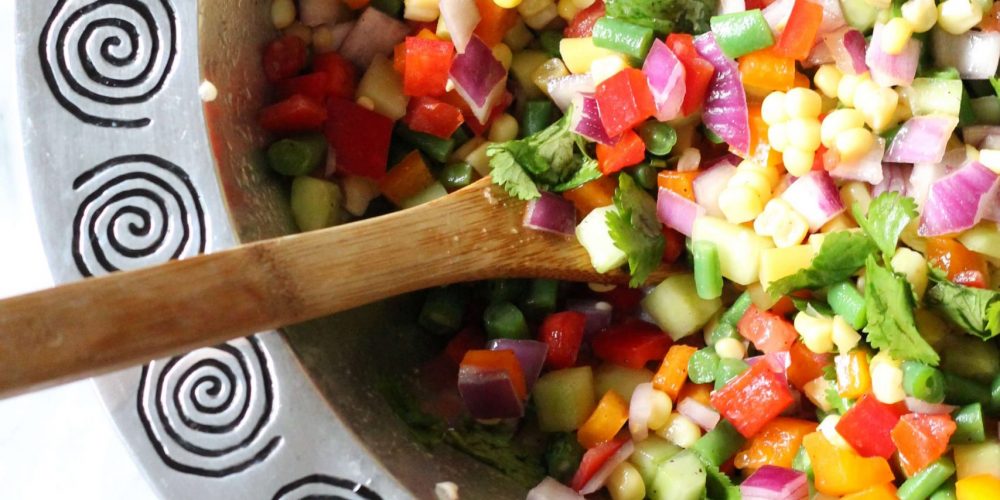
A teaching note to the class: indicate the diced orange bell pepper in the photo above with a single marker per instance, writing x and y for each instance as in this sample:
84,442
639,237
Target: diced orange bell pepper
594,194
805,365
494,21
698,392
921,439
758,129
884,491
775,444
764,69
799,36
963,266
853,377
409,177
681,183
838,471
674,370
606,420
628,151
501,360
801,80
978,487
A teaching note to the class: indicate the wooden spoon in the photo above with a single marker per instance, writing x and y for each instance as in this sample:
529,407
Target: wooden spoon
101,324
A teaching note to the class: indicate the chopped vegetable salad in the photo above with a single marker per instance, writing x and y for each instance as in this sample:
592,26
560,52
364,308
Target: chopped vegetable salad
823,175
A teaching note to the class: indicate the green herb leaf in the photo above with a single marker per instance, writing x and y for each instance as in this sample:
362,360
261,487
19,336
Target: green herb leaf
664,16
635,229
888,215
834,400
507,172
588,172
718,485
547,158
975,310
891,326
840,256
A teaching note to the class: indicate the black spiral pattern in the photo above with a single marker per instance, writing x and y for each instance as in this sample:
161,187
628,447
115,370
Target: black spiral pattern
103,58
136,210
323,487
208,412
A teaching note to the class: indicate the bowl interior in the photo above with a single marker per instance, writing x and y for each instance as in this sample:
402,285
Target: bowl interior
346,355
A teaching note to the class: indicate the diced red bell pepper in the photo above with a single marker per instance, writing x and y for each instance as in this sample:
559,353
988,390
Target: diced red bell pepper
673,245
342,77
313,86
432,116
624,300
494,21
426,65
295,114
593,460
628,151
799,35
284,58
866,427
698,71
805,365
632,344
582,24
465,340
963,266
768,331
752,399
471,121
563,333
921,439
624,101
360,138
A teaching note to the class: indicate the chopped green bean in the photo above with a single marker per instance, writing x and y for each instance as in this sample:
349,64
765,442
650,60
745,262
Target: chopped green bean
702,365
435,147
923,382
563,456
541,298
707,270
455,176
505,290
503,320
443,310
969,425
537,116
726,327
658,137
847,301
549,40
728,369
945,492
391,7
995,395
927,481
740,33
962,391
623,36
297,155
718,444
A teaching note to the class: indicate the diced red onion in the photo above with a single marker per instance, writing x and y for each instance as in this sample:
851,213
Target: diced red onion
895,179
586,120
815,196
550,213
777,14
316,12
958,201
460,19
489,394
338,33
920,406
975,54
731,6
777,361
550,489
705,417
868,168
725,112
677,212
564,89
992,212
479,78
597,312
977,134
665,75
529,353
892,69
639,409
922,176
601,476
689,161
374,33
922,139
771,482
847,46
833,16
710,183
818,56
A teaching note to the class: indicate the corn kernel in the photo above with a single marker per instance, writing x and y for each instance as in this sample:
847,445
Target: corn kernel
797,161
504,129
478,159
816,332
772,110
815,390
441,31
827,79
991,159
804,134
659,411
530,7
300,31
541,18
887,378
753,178
782,223
958,16
802,103
567,9
740,204
844,336
503,54
423,11
625,483
854,144
366,102
606,67
518,37
847,86
895,35
913,266
856,192
921,14
680,430
877,103
730,348
838,121
507,4
282,13
841,222
580,53
777,136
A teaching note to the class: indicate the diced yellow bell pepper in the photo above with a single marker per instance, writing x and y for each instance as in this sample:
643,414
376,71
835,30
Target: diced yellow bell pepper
853,377
843,472
884,491
980,487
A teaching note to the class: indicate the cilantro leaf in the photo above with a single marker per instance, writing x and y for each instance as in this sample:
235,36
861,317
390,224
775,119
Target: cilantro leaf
718,485
547,158
635,229
888,215
891,325
975,310
665,16
588,172
508,173
840,256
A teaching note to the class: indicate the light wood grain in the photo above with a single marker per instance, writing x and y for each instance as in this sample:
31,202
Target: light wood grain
101,324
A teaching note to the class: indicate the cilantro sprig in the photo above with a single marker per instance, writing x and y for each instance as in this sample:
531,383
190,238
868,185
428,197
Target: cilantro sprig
635,229
840,256
891,325
887,217
975,310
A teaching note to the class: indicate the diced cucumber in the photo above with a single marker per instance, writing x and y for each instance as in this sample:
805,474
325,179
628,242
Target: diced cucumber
384,86
564,399
928,96
649,454
315,203
740,248
432,192
594,235
860,14
523,66
984,238
622,380
972,358
676,307
680,478
986,110
974,459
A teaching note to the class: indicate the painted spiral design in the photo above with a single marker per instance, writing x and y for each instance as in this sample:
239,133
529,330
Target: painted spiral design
103,58
209,412
136,211
321,486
